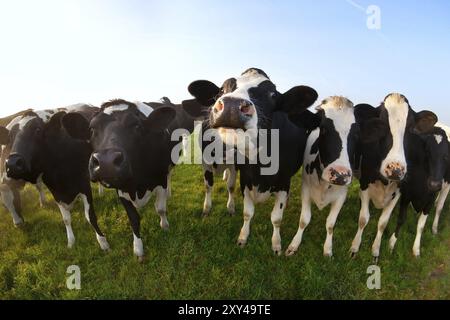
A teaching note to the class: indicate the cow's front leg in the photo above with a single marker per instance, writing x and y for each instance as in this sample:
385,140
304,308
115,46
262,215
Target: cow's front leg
276,217
249,212
91,217
305,219
11,200
336,207
161,206
135,223
67,219
231,184
364,216
382,223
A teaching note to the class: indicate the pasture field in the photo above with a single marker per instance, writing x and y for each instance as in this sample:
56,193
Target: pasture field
199,259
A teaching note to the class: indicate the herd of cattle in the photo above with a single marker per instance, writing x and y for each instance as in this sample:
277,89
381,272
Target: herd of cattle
396,153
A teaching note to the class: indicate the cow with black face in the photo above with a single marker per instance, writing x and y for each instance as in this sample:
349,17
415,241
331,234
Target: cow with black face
247,105
327,165
428,165
37,149
384,134
132,153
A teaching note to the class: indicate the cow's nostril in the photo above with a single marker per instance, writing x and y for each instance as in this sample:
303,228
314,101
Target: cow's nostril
20,164
246,108
218,106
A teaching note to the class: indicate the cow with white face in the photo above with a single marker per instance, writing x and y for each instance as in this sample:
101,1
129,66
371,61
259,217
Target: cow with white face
38,150
327,165
244,107
132,153
384,133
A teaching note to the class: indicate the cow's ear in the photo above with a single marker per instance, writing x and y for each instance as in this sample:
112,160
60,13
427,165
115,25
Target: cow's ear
307,120
373,130
364,112
425,121
76,126
204,91
4,136
297,99
195,109
160,119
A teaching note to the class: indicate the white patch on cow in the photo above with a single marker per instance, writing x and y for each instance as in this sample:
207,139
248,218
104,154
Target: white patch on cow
445,128
40,189
23,121
381,195
438,138
8,200
137,202
120,107
138,246
340,111
13,122
143,108
397,109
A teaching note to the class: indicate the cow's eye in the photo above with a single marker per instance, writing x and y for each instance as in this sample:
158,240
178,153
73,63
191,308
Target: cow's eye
38,130
273,95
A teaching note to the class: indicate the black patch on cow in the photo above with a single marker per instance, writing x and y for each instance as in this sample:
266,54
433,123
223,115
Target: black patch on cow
209,177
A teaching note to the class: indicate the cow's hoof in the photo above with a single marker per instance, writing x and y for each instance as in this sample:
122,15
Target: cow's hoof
141,259
165,226
231,212
19,223
277,250
242,243
416,254
290,252
104,245
375,260
70,245
435,231
328,255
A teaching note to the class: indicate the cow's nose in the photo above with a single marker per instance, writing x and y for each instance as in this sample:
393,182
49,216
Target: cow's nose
340,176
395,171
15,165
106,164
232,112
434,185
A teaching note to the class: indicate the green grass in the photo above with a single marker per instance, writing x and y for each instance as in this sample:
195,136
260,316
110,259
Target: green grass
199,259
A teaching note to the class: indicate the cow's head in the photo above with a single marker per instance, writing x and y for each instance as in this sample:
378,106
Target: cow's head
337,139
23,143
247,103
436,152
119,135
394,121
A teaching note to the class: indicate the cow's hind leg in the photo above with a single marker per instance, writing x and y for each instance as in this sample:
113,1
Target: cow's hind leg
209,182
67,219
231,184
420,227
400,222
276,217
439,206
91,217
11,200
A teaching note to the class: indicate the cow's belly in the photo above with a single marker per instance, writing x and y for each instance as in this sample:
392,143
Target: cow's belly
257,196
381,195
137,202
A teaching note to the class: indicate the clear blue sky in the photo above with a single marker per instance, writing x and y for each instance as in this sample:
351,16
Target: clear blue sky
54,53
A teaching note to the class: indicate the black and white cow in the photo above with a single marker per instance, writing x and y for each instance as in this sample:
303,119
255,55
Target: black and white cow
327,165
440,201
132,153
37,149
428,166
246,105
383,136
